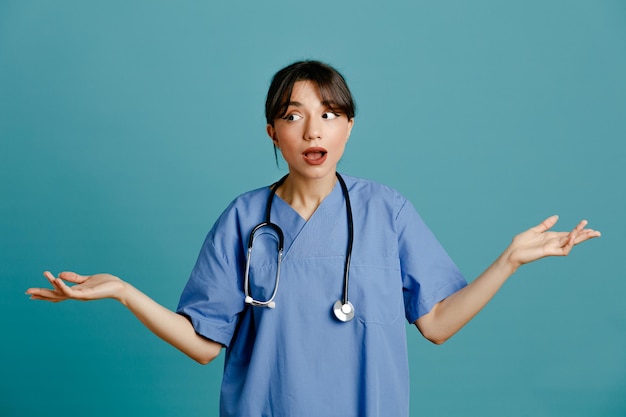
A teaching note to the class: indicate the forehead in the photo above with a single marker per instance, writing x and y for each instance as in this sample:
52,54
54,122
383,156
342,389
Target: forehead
305,89
309,93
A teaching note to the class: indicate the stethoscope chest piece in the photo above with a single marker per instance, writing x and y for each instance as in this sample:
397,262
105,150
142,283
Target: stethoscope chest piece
343,312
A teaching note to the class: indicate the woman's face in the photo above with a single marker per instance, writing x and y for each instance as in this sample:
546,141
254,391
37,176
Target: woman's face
311,137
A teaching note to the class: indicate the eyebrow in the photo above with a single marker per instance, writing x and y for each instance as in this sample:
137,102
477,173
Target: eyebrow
324,103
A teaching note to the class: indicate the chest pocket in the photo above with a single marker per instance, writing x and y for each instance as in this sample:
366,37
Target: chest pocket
376,291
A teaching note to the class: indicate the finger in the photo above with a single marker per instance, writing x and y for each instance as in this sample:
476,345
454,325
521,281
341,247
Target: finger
44,294
42,298
586,235
49,276
54,282
57,286
581,226
64,289
592,233
571,237
546,224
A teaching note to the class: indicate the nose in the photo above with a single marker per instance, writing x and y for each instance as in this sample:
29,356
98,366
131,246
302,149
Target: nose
313,129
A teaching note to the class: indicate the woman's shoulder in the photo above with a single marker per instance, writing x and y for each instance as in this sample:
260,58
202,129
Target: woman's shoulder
247,203
373,197
251,197
370,189
245,208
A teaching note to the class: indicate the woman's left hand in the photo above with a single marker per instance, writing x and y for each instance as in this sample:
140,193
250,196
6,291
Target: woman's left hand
452,313
538,242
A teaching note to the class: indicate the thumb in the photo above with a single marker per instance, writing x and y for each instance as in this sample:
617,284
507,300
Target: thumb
73,277
546,224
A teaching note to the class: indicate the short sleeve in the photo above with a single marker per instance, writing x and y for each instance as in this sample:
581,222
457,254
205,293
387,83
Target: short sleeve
428,273
213,296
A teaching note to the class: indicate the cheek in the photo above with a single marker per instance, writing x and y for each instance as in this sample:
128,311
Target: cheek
286,147
283,135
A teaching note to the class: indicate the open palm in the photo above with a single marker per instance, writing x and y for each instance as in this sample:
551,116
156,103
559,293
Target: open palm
87,287
538,242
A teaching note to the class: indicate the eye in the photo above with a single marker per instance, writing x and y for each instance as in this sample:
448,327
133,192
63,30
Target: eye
330,115
292,117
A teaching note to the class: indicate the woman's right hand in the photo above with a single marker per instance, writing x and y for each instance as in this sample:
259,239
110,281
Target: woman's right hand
87,287
168,325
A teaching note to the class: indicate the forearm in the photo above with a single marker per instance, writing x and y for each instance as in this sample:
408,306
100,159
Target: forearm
169,326
450,315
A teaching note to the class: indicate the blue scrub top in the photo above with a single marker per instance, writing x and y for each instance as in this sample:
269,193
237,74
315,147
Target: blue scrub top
298,359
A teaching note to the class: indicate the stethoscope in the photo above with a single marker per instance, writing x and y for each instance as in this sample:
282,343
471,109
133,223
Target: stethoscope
343,308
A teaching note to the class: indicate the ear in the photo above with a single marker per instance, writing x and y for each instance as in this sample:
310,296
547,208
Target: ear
350,126
271,132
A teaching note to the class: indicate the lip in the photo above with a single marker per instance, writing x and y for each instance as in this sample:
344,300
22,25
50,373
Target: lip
315,155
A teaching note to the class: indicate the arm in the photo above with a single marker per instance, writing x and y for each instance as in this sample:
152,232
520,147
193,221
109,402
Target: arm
451,314
166,324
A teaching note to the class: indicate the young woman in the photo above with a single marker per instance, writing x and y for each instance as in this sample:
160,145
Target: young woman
305,283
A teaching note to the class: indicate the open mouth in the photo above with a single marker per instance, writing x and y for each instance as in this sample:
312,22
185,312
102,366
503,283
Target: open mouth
315,156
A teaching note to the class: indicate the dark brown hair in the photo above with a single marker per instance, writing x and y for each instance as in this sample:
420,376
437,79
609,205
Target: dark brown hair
333,88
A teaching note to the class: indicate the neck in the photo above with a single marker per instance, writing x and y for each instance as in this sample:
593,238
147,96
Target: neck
305,195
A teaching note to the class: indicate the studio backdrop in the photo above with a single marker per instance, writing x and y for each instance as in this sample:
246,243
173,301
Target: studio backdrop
127,127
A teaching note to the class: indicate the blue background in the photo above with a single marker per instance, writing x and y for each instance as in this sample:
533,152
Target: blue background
127,127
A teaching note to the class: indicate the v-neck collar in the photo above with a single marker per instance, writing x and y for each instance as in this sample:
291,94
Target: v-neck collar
292,224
